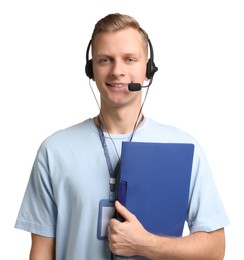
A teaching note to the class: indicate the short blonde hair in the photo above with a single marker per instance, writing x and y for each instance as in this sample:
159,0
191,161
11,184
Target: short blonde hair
116,22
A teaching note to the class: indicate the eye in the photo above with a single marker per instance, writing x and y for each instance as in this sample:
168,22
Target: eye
104,60
130,59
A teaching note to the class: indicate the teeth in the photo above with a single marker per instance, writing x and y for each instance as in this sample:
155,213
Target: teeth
119,85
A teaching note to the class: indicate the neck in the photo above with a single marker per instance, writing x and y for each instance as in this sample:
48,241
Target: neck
115,121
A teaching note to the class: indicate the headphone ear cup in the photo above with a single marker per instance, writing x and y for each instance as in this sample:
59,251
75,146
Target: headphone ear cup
151,69
88,69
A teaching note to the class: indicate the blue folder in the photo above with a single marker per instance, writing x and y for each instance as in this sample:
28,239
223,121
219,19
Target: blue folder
154,184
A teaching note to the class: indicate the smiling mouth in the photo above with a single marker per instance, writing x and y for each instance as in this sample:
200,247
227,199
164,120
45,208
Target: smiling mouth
117,85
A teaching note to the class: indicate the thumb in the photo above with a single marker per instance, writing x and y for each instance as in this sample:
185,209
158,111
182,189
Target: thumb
123,211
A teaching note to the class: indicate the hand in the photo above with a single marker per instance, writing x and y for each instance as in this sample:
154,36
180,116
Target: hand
126,238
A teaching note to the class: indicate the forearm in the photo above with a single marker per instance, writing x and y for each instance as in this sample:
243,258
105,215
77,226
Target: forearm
42,248
130,238
198,246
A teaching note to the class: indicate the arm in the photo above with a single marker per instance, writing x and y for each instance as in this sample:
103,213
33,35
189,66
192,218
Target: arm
130,238
42,248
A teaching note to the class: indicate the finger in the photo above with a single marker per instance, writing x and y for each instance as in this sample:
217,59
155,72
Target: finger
123,211
112,223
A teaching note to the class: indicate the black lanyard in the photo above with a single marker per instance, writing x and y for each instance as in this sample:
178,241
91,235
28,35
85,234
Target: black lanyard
112,173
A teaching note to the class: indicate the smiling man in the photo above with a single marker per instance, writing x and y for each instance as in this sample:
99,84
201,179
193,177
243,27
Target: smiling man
119,58
70,198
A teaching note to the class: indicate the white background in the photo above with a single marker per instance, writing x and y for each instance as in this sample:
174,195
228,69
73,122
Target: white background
198,48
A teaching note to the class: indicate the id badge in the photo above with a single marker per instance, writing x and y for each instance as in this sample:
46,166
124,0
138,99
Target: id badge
106,212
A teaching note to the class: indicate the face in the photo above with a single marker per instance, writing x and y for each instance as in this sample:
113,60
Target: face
119,58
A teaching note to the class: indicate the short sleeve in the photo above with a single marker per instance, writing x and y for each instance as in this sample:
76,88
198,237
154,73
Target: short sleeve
206,211
38,211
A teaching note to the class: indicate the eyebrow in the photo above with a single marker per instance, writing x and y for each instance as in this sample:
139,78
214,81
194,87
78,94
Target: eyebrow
129,54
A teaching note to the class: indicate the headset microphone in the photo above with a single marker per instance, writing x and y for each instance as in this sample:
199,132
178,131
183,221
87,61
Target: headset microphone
138,86
134,86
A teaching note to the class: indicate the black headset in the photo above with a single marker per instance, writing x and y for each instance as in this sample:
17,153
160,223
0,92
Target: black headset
151,68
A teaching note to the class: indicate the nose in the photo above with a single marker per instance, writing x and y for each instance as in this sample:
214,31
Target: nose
118,69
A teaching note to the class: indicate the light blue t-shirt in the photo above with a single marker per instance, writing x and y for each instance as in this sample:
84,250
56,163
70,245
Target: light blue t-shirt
70,176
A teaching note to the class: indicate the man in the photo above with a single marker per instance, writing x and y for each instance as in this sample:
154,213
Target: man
71,173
